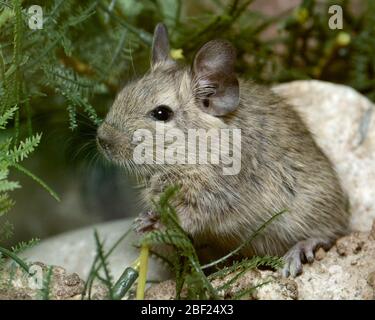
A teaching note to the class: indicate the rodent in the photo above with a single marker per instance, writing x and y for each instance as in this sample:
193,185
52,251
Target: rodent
281,165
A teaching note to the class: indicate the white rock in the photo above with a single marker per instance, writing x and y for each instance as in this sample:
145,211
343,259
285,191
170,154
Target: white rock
76,250
334,114
341,276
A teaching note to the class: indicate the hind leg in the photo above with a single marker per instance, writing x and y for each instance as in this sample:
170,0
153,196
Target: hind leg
300,252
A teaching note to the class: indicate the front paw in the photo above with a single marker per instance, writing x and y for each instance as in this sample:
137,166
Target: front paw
301,252
146,222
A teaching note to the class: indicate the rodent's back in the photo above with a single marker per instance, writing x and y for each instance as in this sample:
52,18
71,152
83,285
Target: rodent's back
282,167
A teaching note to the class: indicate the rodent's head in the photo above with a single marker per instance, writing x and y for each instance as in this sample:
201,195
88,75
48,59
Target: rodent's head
178,97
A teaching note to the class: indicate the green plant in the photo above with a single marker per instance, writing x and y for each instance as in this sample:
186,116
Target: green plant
182,259
101,262
13,151
10,157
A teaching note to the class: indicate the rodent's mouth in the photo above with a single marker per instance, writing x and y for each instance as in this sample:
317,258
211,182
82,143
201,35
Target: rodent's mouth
107,140
103,148
109,152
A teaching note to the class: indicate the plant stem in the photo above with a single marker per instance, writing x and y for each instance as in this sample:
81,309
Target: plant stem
238,249
14,257
143,266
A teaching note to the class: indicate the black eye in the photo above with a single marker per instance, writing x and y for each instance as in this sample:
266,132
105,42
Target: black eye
162,113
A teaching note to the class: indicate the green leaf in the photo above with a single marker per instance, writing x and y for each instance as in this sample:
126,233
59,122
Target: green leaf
24,148
38,180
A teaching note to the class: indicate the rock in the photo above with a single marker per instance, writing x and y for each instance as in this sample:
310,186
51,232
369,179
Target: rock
15,284
165,290
372,232
349,245
343,123
371,279
251,279
278,289
72,280
320,254
345,273
76,250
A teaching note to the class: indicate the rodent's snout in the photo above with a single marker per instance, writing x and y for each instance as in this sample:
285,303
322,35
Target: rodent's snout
113,143
104,144
104,140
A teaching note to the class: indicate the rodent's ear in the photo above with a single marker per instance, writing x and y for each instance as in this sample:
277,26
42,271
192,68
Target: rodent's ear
160,46
216,84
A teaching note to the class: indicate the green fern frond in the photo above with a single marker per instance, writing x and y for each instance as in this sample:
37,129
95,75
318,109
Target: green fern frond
75,100
4,172
6,230
72,112
22,246
9,186
249,263
6,116
97,265
6,203
82,14
38,180
169,237
4,148
24,148
189,273
187,269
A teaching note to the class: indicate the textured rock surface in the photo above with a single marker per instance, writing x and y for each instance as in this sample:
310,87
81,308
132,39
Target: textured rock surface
346,271
343,123
16,284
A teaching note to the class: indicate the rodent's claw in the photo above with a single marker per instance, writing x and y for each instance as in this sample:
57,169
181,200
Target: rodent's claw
292,263
300,252
147,221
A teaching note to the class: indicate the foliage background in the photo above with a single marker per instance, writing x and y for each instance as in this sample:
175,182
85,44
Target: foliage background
64,77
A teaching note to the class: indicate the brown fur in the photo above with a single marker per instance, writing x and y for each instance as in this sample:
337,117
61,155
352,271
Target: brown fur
282,167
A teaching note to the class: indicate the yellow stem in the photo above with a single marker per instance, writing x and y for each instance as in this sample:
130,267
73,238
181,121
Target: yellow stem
143,265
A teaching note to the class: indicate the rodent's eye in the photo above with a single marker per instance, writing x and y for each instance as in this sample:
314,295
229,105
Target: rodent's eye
162,113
